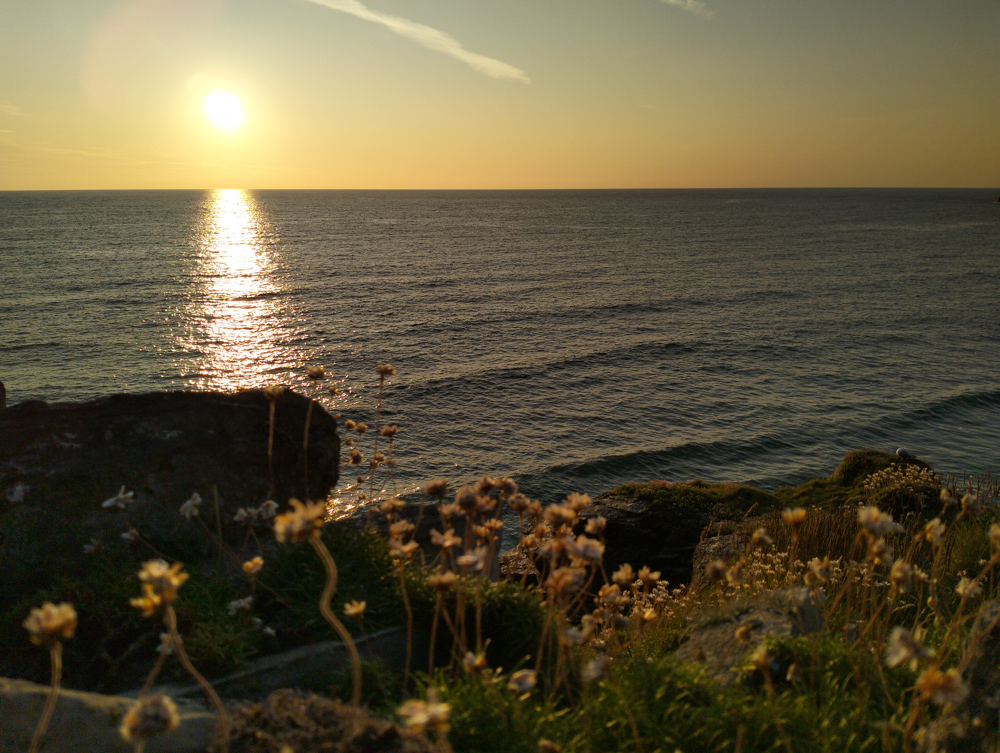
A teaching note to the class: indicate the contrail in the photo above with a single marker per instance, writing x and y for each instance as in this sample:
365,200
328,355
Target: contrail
692,5
430,38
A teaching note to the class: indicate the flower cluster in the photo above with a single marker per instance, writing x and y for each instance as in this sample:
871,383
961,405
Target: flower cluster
159,586
51,622
908,478
300,522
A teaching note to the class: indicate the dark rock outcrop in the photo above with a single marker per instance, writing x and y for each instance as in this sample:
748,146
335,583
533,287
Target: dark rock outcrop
659,524
59,462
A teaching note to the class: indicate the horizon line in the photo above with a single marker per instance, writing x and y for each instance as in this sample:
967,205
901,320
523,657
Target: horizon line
584,188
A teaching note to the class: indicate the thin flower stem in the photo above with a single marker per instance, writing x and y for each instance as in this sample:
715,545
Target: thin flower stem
270,445
378,425
55,652
434,627
409,624
330,617
160,661
769,685
171,620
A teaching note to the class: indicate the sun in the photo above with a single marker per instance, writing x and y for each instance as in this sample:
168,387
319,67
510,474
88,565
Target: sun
224,110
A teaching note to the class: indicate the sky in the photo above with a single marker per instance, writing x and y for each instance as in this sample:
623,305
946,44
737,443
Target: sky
468,94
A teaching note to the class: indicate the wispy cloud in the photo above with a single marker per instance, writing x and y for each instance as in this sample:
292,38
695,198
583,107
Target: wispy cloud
6,108
433,39
694,6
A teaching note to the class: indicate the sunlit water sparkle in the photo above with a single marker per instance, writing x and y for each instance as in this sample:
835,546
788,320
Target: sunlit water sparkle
575,340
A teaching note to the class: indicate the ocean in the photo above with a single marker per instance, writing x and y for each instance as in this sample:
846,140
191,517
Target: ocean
574,340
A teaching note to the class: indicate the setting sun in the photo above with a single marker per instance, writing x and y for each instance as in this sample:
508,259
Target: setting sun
224,110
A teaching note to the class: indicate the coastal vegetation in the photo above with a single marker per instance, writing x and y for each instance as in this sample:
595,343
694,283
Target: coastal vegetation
882,576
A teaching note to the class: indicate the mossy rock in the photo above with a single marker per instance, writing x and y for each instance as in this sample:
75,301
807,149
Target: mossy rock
659,523
857,465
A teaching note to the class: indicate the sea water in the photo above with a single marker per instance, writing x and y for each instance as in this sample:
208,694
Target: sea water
574,340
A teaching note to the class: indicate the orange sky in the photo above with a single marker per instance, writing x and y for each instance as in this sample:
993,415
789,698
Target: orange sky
512,94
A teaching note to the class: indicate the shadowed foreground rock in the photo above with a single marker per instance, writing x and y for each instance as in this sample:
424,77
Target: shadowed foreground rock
288,720
88,722
59,462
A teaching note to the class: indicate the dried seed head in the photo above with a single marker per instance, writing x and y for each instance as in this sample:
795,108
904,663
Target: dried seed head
355,608
239,605
190,508
399,550
716,570
474,662
507,485
426,715
273,392
596,525
972,505
385,370
933,532
793,517
904,647
149,717
466,498
557,515
50,623
523,681
623,576
473,560
163,579
442,581
761,659
315,372
584,548
120,501
760,539
485,485
649,577
253,566
299,522
901,575
967,588
519,503
595,668
942,687
878,523
436,489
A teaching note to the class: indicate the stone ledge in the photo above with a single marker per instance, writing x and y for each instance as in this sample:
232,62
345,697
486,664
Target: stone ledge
88,722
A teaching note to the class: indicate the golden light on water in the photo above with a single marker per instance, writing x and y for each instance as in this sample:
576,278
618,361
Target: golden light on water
235,326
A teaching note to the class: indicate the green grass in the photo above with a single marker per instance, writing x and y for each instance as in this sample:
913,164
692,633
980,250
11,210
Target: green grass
660,705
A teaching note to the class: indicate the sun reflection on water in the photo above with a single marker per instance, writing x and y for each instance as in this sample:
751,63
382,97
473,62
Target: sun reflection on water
235,325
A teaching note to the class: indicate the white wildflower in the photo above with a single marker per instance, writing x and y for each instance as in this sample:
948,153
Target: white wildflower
190,508
120,500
